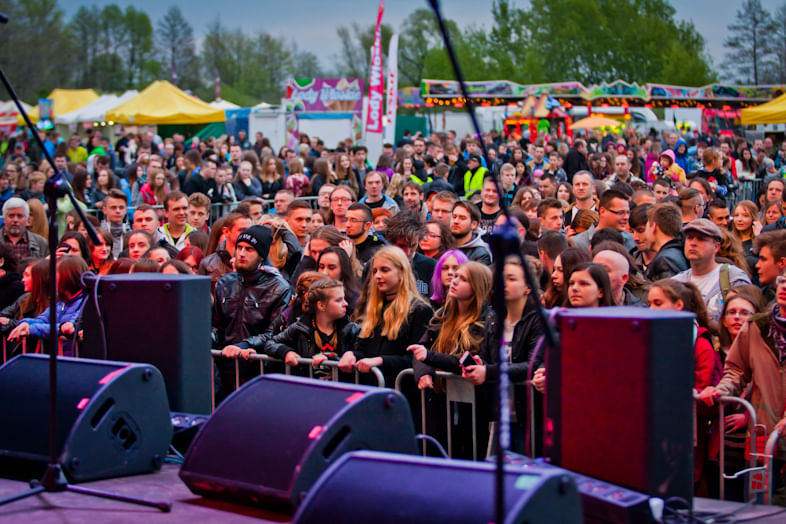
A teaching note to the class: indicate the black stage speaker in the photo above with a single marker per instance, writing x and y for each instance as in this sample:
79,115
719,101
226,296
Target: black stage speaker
160,319
112,417
363,487
272,438
619,398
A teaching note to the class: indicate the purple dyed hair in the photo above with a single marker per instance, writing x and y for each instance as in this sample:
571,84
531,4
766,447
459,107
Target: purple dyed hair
436,281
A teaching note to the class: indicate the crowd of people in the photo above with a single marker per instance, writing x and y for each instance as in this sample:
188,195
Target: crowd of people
388,265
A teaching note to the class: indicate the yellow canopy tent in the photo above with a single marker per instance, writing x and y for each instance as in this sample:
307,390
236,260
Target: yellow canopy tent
772,112
163,103
64,101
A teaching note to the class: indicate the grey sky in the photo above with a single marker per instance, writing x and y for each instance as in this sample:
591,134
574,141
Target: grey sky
312,23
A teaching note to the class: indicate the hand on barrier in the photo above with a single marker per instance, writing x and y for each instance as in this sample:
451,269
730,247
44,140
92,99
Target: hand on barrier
365,364
4,321
708,395
290,359
22,330
781,425
67,328
347,362
757,228
234,352
735,422
317,360
426,382
419,352
539,379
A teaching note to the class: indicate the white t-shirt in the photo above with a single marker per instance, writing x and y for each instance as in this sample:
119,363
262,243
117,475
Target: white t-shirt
709,286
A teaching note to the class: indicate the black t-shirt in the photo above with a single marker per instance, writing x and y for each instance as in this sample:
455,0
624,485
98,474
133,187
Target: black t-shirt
487,220
374,205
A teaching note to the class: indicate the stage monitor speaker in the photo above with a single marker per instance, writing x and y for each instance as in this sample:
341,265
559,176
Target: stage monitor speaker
159,319
365,486
619,398
112,417
271,439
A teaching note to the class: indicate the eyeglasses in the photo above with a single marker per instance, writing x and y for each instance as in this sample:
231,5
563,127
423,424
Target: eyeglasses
620,213
341,199
742,313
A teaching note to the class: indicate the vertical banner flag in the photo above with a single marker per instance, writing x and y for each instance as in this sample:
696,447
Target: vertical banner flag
391,101
376,88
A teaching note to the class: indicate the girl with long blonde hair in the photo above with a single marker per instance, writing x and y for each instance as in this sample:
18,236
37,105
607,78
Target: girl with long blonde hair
394,316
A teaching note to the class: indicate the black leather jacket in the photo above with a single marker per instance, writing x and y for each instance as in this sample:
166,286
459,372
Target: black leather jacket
669,261
246,304
299,337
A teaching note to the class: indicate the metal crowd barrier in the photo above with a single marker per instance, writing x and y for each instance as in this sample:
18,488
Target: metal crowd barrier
456,390
36,348
216,209
262,358
748,189
760,464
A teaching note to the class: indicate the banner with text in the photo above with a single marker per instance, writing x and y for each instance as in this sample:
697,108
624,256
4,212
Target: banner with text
324,94
376,86
391,101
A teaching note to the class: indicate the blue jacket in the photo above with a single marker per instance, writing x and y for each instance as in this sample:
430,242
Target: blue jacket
682,159
68,311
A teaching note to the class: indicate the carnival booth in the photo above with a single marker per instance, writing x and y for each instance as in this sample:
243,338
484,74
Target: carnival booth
163,103
772,112
63,101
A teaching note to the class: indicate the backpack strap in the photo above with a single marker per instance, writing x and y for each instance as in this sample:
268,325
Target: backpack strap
725,282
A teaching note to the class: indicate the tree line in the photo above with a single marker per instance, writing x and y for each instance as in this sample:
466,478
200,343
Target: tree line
756,45
112,49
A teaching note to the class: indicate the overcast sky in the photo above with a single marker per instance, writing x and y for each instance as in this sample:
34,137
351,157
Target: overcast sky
312,23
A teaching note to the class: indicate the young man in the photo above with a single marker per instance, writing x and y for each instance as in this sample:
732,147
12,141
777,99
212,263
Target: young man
281,201
550,214
198,212
474,175
359,219
299,220
464,224
614,212
176,229
413,199
253,207
203,181
340,200
718,212
662,237
661,189
771,247
702,243
375,184
218,264
265,295
115,206
145,219
440,180
547,186
582,188
489,206
405,231
442,206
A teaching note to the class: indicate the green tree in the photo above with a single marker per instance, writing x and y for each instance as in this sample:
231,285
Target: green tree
356,41
139,48
175,40
419,37
776,69
37,51
82,29
748,48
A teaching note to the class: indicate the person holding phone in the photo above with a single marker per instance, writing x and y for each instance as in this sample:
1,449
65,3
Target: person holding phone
454,335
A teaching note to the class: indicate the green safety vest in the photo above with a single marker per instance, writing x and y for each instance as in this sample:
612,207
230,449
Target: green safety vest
474,182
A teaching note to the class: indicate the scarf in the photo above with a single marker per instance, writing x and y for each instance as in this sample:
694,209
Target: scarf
325,344
778,333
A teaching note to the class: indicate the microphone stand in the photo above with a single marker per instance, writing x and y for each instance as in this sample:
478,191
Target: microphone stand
54,479
504,242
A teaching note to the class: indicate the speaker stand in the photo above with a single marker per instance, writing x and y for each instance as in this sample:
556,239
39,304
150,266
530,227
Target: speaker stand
54,481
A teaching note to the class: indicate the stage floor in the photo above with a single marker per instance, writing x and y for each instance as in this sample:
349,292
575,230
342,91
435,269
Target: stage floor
186,507
162,486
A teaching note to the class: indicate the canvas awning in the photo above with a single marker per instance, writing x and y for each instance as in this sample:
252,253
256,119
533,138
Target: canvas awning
96,112
772,112
64,101
163,103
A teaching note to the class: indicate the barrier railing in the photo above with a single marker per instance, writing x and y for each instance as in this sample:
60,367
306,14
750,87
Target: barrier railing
753,431
301,361
216,209
456,390
36,347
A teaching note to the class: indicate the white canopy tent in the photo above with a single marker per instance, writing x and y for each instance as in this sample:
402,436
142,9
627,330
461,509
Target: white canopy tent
9,112
96,111
224,104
